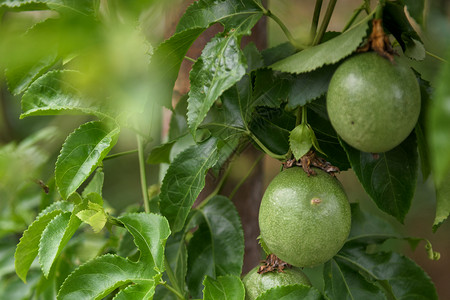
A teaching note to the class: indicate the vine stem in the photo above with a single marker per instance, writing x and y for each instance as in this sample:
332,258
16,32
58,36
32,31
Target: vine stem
354,16
435,56
264,148
172,278
112,156
315,20
236,188
190,59
325,22
170,288
142,173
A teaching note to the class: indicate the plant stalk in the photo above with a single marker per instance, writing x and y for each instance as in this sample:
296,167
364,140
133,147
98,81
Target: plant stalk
174,291
142,173
217,189
236,188
171,276
354,16
264,148
315,20
325,22
112,156
286,31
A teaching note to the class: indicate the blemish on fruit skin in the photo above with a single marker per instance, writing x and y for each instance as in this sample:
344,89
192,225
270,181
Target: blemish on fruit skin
315,201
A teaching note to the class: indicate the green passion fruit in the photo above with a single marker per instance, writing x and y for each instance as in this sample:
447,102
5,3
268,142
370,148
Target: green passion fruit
373,104
256,284
304,220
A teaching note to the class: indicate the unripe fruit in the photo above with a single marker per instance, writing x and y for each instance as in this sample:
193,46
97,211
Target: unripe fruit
304,220
373,104
256,284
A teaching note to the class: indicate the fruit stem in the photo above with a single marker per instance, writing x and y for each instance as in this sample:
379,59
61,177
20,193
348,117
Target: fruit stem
356,13
264,148
250,171
142,173
315,20
325,22
112,156
304,115
379,11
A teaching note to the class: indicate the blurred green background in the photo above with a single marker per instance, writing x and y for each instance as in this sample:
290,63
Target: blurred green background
113,59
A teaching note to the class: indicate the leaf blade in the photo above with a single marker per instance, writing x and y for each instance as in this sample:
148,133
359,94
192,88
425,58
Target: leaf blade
224,287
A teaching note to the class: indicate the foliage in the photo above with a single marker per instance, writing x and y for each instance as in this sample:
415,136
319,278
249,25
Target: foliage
92,58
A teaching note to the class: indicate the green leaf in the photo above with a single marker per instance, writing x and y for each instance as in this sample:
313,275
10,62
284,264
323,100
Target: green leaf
327,53
397,275
176,254
102,275
292,292
442,202
326,135
95,216
142,291
232,14
54,93
21,77
389,178
224,287
23,5
279,52
82,152
300,140
82,7
57,234
150,232
27,249
396,22
416,9
271,88
220,66
217,247
342,282
95,185
253,57
184,180
161,154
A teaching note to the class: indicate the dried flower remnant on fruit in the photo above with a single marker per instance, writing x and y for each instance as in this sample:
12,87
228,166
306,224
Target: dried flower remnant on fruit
315,201
309,160
272,263
379,41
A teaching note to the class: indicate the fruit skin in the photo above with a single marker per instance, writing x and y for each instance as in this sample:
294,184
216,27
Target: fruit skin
256,284
295,226
373,104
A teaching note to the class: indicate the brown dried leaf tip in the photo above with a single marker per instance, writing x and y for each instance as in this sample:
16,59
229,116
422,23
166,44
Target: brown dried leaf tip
310,160
272,263
379,41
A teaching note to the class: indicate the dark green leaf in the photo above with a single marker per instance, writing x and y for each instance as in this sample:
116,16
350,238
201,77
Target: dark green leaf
217,247
220,66
233,14
309,86
253,57
442,202
327,53
291,292
224,287
397,275
416,9
300,140
396,22
54,93
150,232
27,249
271,88
342,282
82,152
176,254
390,177
279,52
272,127
161,154
184,180
20,78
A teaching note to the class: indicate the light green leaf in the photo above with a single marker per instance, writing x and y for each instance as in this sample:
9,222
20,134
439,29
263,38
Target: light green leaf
161,154
442,202
27,249
300,140
184,180
141,291
327,53
150,232
82,152
56,93
220,66
291,292
23,5
20,78
102,275
224,287
217,247
94,216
